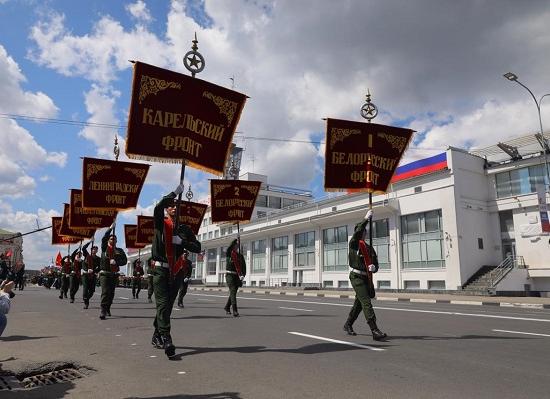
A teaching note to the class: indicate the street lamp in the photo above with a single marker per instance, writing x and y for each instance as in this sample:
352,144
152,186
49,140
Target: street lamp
512,77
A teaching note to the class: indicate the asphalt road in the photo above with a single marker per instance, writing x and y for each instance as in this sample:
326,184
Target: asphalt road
280,347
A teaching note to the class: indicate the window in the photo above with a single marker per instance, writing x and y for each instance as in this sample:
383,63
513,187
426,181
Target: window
328,284
304,250
275,202
384,284
520,181
422,240
506,219
198,263
261,201
279,255
412,284
222,231
258,257
209,234
211,262
261,214
436,284
381,242
480,243
335,248
343,283
223,259
216,234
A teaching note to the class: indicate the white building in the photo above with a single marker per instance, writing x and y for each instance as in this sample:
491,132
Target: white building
444,219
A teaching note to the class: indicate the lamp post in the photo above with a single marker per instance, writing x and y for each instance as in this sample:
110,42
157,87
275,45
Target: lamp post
512,77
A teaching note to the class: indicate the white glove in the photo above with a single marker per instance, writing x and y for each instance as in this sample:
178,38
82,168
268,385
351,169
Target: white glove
368,216
185,280
112,226
242,278
112,262
176,240
372,268
179,189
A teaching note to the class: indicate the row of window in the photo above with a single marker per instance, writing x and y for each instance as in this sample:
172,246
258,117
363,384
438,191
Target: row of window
520,181
266,201
421,237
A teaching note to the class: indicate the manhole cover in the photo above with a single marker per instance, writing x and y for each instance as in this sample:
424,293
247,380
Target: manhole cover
54,377
9,382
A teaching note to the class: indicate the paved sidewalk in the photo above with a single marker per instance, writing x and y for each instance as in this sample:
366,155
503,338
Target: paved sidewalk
522,302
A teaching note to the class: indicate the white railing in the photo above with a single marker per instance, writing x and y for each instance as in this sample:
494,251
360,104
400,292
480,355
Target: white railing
504,268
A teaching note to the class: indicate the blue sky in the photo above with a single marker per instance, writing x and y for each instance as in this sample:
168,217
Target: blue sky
435,67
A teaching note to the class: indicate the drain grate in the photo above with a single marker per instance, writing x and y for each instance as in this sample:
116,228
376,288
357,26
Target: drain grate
53,377
9,382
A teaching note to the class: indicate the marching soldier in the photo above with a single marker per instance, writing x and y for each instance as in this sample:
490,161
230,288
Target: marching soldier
168,245
112,258
363,262
150,270
64,275
187,269
91,267
234,275
136,279
76,268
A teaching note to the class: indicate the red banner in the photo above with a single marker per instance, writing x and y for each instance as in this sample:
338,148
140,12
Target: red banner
233,200
59,239
130,235
362,156
88,218
145,230
65,230
191,214
175,117
111,185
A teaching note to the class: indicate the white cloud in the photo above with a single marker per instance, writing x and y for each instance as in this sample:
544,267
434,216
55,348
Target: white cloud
45,178
139,11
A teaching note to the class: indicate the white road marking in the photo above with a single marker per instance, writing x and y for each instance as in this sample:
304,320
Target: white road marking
153,356
134,344
347,305
337,341
118,335
122,297
204,299
303,310
182,372
522,332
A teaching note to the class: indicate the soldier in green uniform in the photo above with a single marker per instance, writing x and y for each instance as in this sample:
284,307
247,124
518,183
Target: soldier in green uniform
150,270
64,276
112,258
136,278
91,267
76,268
187,269
168,245
363,262
234,275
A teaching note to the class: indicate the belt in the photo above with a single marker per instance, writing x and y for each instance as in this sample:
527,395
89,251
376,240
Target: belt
360,272
105,272
149,275
230,272
162,264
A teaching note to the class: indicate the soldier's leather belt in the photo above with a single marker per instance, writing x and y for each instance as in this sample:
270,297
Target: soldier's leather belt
230,272
360,272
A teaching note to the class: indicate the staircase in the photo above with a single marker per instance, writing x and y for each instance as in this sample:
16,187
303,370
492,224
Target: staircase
485,280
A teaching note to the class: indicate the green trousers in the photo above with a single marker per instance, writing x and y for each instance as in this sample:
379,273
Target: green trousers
149,287
64,285
74,285
166,290
233,283
88,286
362,299
136,286
108,283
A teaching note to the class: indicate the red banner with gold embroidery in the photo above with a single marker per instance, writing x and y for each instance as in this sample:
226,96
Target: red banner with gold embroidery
233,200
174,117
59,239
88,218
130,235
362,156
145,230
110,184
191,214
65,230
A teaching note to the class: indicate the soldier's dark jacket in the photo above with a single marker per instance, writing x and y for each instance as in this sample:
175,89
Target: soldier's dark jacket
230,266
355,257
92,261
119,256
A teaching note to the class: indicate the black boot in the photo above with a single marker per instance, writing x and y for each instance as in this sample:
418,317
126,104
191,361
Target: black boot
227,311
72,300
169,348
61,296
102,313
156,340
149,300
377,335
348,327
86,304
108,310
235,311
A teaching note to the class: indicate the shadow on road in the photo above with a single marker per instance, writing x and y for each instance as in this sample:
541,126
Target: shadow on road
222,395
20,338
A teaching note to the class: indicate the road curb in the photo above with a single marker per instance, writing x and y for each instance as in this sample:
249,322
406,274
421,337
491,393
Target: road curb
389,299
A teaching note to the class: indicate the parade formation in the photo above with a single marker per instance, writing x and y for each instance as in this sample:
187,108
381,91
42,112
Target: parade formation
180,119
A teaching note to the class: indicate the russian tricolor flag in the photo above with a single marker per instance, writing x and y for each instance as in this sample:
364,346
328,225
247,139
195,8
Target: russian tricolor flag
420,167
